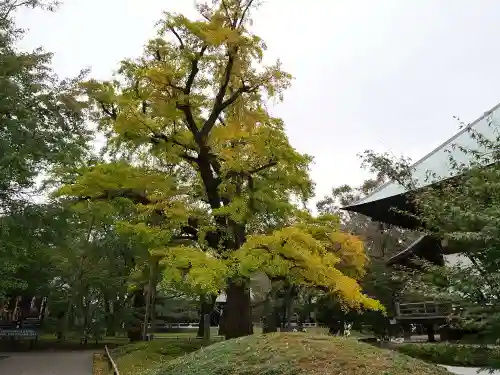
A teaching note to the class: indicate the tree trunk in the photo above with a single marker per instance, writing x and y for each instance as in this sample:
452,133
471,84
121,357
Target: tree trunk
207,304
289,305
270,323
109,312
153,295
64,323
134,333
238,319
148,293
222,321
430,333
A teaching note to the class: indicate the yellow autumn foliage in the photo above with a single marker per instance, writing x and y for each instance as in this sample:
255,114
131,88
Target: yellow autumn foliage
329,261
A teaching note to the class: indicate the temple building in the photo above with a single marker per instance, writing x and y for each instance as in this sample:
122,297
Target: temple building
389,203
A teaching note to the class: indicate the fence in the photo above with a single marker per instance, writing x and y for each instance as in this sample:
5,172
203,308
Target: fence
112,364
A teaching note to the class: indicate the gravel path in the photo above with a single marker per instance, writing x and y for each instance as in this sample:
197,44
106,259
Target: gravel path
47,363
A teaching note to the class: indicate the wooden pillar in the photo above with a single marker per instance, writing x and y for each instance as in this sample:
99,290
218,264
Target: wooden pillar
430,332
397,308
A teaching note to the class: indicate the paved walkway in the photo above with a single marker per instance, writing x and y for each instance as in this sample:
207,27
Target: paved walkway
466,371
46,363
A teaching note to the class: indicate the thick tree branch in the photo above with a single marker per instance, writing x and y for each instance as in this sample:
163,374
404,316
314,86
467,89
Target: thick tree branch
186,107
219,98
190,121
194,70
242,90
220,105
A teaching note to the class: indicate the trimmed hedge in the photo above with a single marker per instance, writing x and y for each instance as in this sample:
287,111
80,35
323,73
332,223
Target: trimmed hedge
453,354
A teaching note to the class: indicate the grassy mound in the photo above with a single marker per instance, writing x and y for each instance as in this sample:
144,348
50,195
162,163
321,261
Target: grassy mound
295,354
136,358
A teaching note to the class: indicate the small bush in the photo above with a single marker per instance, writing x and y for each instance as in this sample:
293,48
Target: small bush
453,355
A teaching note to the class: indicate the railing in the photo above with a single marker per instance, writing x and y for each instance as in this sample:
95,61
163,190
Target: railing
112,363
428,309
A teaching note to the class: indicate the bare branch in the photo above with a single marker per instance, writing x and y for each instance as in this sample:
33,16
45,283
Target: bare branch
245,11
228,14
222,105
170,84
221,120
158,55
181,43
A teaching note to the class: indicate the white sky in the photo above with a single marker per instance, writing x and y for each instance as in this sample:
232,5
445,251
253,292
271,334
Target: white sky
387,75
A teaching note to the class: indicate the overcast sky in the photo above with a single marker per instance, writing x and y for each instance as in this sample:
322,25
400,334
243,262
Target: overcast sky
387,75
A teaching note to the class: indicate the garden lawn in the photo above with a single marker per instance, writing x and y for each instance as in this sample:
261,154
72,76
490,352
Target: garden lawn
294,354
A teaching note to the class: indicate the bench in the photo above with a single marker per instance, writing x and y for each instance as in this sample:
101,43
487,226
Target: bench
14,331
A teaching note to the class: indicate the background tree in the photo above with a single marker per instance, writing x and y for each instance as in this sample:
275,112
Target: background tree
41,127
382,241
42,121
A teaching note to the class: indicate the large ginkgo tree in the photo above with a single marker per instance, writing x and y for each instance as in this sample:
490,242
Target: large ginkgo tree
211,172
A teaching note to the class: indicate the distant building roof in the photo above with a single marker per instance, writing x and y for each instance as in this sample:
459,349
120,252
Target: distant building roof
221,298
437,161
426,247
392,194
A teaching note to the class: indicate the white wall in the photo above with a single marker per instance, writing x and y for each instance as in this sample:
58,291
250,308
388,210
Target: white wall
456,259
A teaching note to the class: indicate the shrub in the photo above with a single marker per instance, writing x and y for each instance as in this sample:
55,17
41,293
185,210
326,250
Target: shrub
453,354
